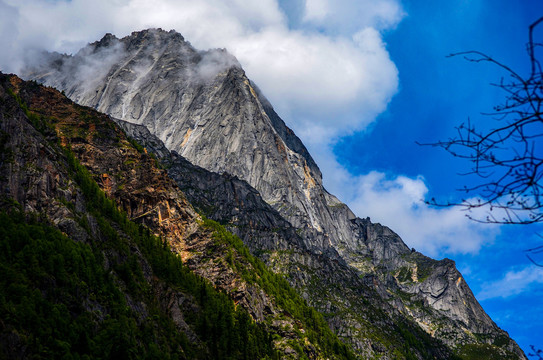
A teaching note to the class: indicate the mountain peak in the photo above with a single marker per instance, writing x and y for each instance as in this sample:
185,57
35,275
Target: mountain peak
155,35
202,106
105,41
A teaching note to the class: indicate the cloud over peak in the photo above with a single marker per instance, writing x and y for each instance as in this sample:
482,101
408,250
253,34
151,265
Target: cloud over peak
336,81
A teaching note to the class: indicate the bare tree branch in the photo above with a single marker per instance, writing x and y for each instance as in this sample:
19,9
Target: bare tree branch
507,159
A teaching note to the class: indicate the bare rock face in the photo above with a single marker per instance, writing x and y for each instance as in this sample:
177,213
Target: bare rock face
202,106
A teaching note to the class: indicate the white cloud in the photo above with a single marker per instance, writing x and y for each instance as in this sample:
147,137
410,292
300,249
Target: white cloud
514,282
327,87
398,202
316,10
8,25
348,16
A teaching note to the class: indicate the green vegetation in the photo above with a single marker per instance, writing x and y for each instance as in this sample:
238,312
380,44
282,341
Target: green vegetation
412,342
58,299
501,341
136,145
484,351
405,274
313,324
70,300
38,121
424,269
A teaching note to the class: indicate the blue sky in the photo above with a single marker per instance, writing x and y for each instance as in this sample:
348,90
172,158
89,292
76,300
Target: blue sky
437,93
360,81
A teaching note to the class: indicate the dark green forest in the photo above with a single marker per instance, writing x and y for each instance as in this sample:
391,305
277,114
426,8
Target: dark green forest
61,299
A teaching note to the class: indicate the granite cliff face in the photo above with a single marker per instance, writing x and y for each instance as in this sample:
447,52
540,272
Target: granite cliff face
203,108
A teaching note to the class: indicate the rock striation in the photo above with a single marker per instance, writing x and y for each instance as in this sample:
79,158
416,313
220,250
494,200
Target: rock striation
204,109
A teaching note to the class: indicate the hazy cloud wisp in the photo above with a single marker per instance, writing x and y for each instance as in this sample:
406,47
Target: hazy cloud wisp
333,83
514,282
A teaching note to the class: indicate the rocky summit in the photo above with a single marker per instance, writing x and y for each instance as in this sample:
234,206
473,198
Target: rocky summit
235,161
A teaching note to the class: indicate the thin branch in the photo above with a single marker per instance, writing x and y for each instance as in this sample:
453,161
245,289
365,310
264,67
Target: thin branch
508,158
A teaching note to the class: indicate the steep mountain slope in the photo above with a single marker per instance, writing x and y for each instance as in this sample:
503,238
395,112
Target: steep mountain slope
202,106
115,289
356,307
92,294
